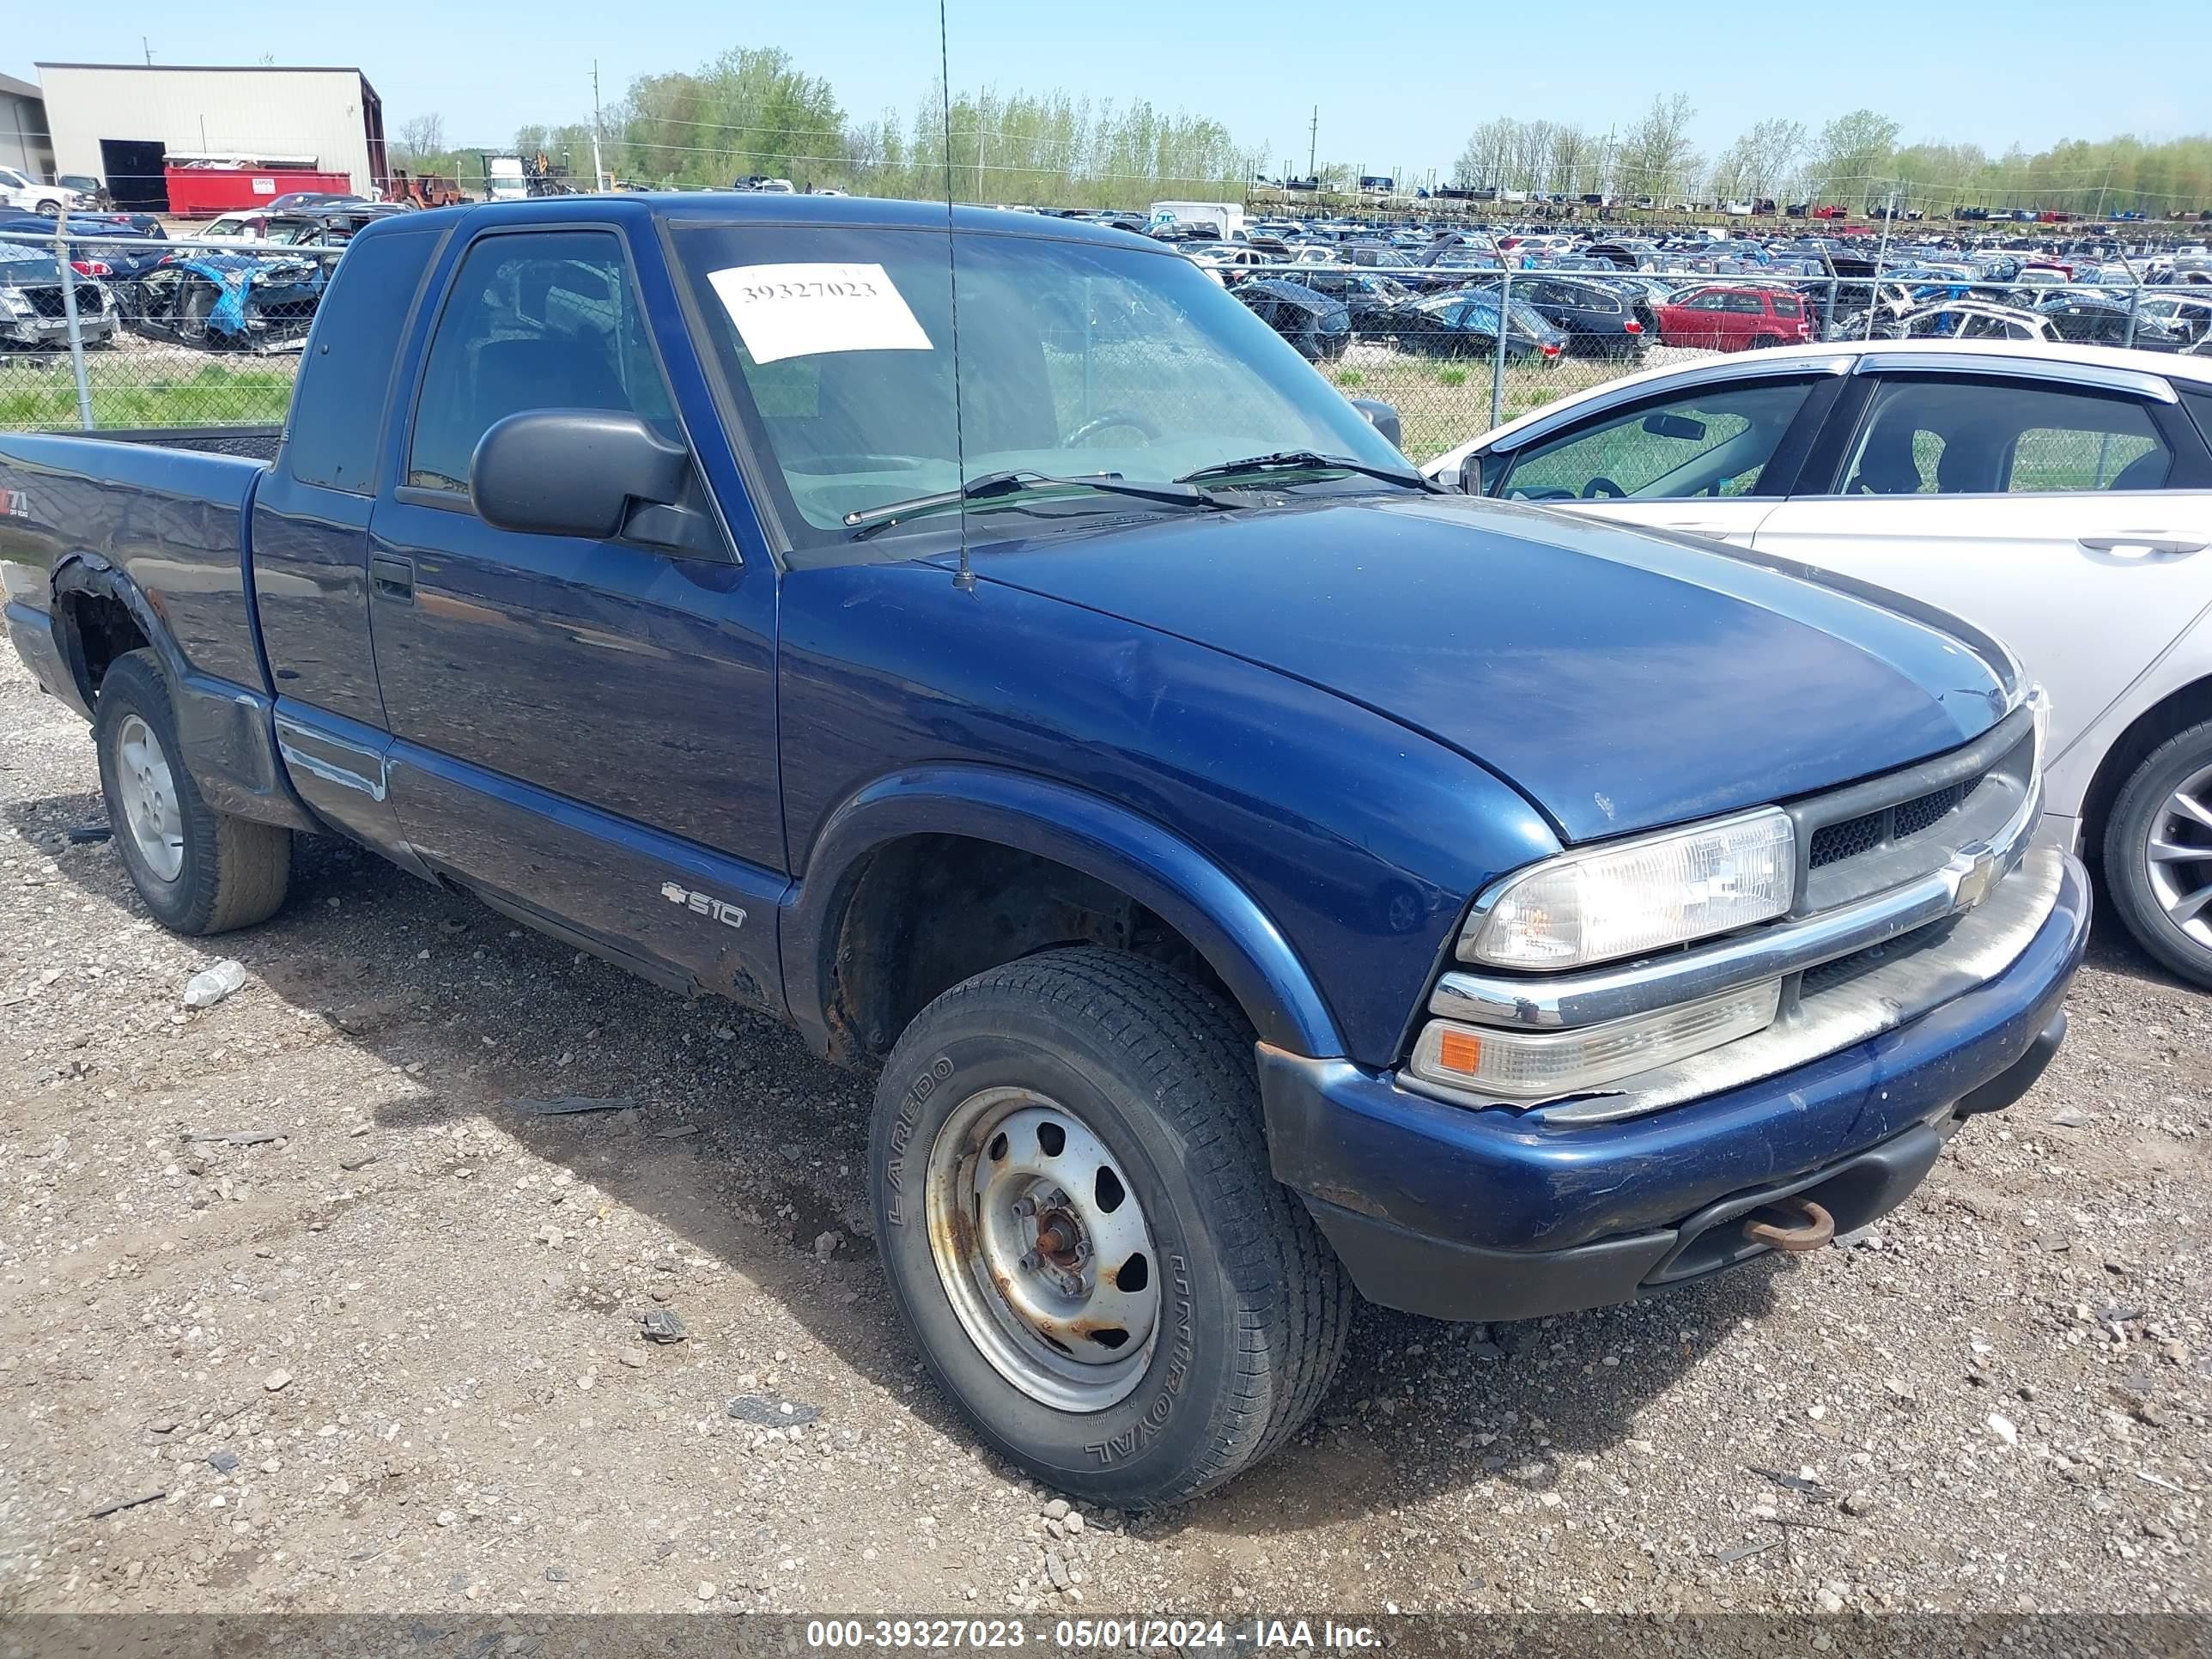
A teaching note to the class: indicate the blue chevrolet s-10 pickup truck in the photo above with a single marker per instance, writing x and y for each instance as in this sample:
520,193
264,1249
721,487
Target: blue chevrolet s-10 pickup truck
1255,873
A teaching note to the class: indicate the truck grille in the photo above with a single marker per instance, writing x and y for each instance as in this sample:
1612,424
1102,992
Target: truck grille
1869,830
1869,837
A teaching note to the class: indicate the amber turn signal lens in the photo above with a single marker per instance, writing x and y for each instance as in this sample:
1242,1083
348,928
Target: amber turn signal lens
1460,1051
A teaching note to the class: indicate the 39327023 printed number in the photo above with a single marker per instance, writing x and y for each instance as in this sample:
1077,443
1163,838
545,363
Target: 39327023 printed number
856,289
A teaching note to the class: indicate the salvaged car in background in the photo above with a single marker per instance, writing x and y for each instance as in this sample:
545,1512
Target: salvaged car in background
311,224
33,312
1370,296
1946,319
1744,318
1600,317
231,301
2085,319
1468,325
1318,327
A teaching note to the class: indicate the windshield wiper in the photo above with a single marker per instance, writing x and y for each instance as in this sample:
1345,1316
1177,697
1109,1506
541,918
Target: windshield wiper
869,519
1308,460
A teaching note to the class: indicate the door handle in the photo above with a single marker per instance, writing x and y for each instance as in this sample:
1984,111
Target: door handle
2142,544
392,576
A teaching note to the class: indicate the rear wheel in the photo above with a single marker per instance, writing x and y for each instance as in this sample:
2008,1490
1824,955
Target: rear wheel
2157,853
200,871
1073,1203
1761,342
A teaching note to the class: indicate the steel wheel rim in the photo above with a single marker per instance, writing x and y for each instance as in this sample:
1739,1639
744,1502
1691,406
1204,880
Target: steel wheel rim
149,790
1043,1250
2178,857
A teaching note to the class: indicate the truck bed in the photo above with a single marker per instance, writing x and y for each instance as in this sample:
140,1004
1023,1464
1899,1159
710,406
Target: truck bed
253,443
168,506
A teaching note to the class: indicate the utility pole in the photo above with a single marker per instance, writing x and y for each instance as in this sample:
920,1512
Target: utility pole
1880,260
598,174
1313,134
146,46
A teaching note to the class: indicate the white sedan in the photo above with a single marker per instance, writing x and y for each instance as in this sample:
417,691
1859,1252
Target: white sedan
2059,497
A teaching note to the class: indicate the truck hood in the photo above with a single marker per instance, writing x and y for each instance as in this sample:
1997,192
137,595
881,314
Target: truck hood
1620,680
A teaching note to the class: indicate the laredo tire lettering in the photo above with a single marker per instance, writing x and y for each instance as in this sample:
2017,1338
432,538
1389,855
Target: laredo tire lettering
938,1071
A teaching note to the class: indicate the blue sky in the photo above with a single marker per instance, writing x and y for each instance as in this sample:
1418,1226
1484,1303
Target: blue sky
1402,98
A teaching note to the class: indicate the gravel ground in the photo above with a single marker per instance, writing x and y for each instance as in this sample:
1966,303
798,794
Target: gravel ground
381,1349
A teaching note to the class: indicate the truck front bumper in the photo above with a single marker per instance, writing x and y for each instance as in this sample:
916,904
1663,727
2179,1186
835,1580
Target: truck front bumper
1459,1213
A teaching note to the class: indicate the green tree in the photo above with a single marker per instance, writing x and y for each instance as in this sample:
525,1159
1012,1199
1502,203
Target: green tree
1852,160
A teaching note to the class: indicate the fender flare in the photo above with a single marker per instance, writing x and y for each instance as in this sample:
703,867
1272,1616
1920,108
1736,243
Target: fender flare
229,735
1099,838
93,575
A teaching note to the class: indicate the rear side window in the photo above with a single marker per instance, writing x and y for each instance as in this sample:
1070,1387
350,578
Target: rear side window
338,412
1966,437
1784,305
546,320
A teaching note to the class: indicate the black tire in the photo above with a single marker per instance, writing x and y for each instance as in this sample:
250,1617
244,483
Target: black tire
1765,342
235,872
1252,1304
2135,818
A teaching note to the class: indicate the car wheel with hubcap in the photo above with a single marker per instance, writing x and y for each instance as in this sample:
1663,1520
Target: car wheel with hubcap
1074,1204
200,871
2157,853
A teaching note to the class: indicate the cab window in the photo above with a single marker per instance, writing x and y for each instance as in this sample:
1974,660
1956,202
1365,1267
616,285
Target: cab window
546,320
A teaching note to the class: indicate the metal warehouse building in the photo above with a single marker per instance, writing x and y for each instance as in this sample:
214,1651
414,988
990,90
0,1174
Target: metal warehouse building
23,143
120,121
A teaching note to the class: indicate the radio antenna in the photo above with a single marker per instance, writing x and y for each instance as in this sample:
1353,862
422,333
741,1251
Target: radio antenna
965,579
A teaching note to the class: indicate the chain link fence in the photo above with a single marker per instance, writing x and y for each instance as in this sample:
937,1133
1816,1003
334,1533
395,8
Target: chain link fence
1430,347
105,328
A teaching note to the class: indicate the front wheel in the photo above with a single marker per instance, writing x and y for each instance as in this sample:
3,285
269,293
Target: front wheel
1072,1200
2157,853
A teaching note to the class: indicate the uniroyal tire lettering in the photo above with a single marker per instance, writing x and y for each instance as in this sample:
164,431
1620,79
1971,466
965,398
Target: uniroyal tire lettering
1155,1419
917,1095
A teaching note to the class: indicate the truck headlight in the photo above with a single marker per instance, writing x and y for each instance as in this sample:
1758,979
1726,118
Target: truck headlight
1539,1065
1637,895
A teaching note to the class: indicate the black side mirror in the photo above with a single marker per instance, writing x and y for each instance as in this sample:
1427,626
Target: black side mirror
1383,417
1470,476
589,473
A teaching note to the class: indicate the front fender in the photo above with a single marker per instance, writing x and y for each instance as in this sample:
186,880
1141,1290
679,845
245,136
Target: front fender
1238,939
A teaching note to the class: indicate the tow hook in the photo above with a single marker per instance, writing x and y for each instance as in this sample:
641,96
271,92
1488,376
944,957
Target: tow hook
1808,1228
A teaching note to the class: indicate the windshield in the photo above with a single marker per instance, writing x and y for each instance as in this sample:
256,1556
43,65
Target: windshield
1075,359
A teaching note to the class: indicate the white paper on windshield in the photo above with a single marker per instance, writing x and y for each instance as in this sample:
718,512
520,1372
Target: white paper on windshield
798,310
